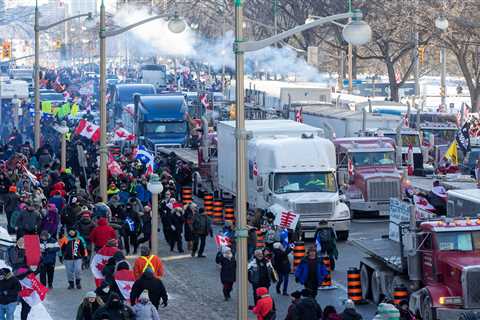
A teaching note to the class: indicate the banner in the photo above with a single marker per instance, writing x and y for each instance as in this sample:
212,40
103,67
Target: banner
47,107
33,291
463,137
287,219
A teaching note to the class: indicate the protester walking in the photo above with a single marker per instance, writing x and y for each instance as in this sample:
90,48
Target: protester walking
153,285
201,227
9,289
228,265
89,305
144,309
148,261
73,250
311,271
101,234
260,273
49,248
114,309
264,307
281,263
307,308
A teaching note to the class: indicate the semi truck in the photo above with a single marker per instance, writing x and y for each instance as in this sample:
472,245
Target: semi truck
367,173
436,260
122,95
154,74
161,120
290,165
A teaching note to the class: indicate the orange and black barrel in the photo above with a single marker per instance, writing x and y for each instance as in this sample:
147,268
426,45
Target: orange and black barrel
327,281
187,194
218,211
298,253
208,204
229,213
354,285
400,293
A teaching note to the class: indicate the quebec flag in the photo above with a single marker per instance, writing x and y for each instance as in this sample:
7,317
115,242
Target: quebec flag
146,157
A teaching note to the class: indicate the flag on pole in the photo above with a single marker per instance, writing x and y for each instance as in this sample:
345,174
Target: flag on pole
88,130
122,134
33,291
463,137
222,241
146,157
452,153
204,101
124,280
33,179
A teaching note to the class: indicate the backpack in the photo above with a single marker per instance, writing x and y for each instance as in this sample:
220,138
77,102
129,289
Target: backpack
272,314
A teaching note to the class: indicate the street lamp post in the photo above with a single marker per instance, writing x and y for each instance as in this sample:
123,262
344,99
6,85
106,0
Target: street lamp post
63,130
356,32
36,68
442,24
155,186
175,25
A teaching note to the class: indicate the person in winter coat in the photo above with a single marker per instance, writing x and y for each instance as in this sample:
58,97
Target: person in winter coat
330,313
176,220
202,226
326,239
70,213
89,305
51,220
227,261
148,261
264,307
15,256
281,265
188,214
57,200
12,226
102,233
144,309
29,222
350,313
49,248
260,273
154,286
131,228
311,271
73,251
146,221
307,308
9,290
10,200
85,226
114,309
296,295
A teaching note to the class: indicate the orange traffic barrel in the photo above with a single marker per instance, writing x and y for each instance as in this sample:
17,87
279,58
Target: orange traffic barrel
354,285
327,281
298,253
260,239
208,204
187,195
400,293
217,211
229,212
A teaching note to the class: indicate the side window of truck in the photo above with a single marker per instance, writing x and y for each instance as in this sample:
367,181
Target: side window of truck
426,243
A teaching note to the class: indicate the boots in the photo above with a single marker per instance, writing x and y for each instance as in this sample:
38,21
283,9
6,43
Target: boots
70,285
77,282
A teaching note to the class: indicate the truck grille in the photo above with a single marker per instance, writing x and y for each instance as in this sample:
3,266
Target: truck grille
471,287
325,208
383,190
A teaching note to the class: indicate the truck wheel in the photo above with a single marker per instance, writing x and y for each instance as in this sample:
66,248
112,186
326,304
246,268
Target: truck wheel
365,276
376,289
468,316
342,235
427,311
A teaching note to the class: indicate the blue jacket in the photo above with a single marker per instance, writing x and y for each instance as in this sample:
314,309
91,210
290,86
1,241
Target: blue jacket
301,273
143,194
123,195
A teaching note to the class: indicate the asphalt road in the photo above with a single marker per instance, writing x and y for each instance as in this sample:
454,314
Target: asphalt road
194,287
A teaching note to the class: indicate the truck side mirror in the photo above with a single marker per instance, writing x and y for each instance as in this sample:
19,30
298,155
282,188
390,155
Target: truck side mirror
259,184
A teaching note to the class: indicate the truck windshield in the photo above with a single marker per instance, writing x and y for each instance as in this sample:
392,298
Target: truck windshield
373,158
164,127
441,135
305,182
407,139
458,241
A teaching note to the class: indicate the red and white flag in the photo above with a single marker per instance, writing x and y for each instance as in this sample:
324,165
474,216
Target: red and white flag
33,291
255,169
287,219
221,240
113,166
88,130
204,101
422,203
125,280
121,134
298,115
406,121
99,262
350,168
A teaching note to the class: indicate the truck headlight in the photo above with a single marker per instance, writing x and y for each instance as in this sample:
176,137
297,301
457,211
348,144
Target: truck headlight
450,300
344,214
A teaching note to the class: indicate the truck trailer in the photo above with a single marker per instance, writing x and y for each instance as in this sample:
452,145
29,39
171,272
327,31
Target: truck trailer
289,165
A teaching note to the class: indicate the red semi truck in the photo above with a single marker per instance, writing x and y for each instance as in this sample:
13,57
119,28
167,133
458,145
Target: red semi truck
438,261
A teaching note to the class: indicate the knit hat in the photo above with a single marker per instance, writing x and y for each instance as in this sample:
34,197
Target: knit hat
348,304
144,298
261,291
90,294
296,294
12,189
307,292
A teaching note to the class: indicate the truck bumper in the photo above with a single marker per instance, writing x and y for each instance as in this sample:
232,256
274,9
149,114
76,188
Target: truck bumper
454,314
360,205
339,225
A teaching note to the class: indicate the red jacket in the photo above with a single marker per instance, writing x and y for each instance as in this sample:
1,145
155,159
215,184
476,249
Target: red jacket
264,305
102,233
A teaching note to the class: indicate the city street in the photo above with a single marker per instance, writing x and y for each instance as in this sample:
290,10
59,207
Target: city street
194,287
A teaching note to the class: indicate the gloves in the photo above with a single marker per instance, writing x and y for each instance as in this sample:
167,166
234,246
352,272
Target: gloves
164,304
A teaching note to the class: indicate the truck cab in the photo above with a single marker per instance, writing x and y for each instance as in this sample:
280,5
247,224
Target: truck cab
367,173
161,120
463,203
122,95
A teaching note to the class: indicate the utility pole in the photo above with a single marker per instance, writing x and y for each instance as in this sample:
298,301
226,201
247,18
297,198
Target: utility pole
103,106
36,71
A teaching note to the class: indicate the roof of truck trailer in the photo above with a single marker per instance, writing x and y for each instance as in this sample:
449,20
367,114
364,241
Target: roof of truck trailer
276,126
466,194
344,114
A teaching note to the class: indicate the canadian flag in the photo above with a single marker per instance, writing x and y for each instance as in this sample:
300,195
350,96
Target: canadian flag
99,261
350,167
204,101
221,240
298,115
125,280
113,166
33,291
422,203
88,130
122,134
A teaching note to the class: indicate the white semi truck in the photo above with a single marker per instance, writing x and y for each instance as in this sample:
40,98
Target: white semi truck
290,165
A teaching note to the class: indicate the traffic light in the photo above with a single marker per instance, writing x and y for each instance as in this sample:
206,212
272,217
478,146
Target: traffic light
58,44
421,55
6,50
442,91
436,57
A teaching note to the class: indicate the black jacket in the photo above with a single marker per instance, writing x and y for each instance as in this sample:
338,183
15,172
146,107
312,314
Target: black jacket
108,311
84,226
350,314
154,286
202,225
307,309
229,266
29,221
15,257
9,289
280,260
